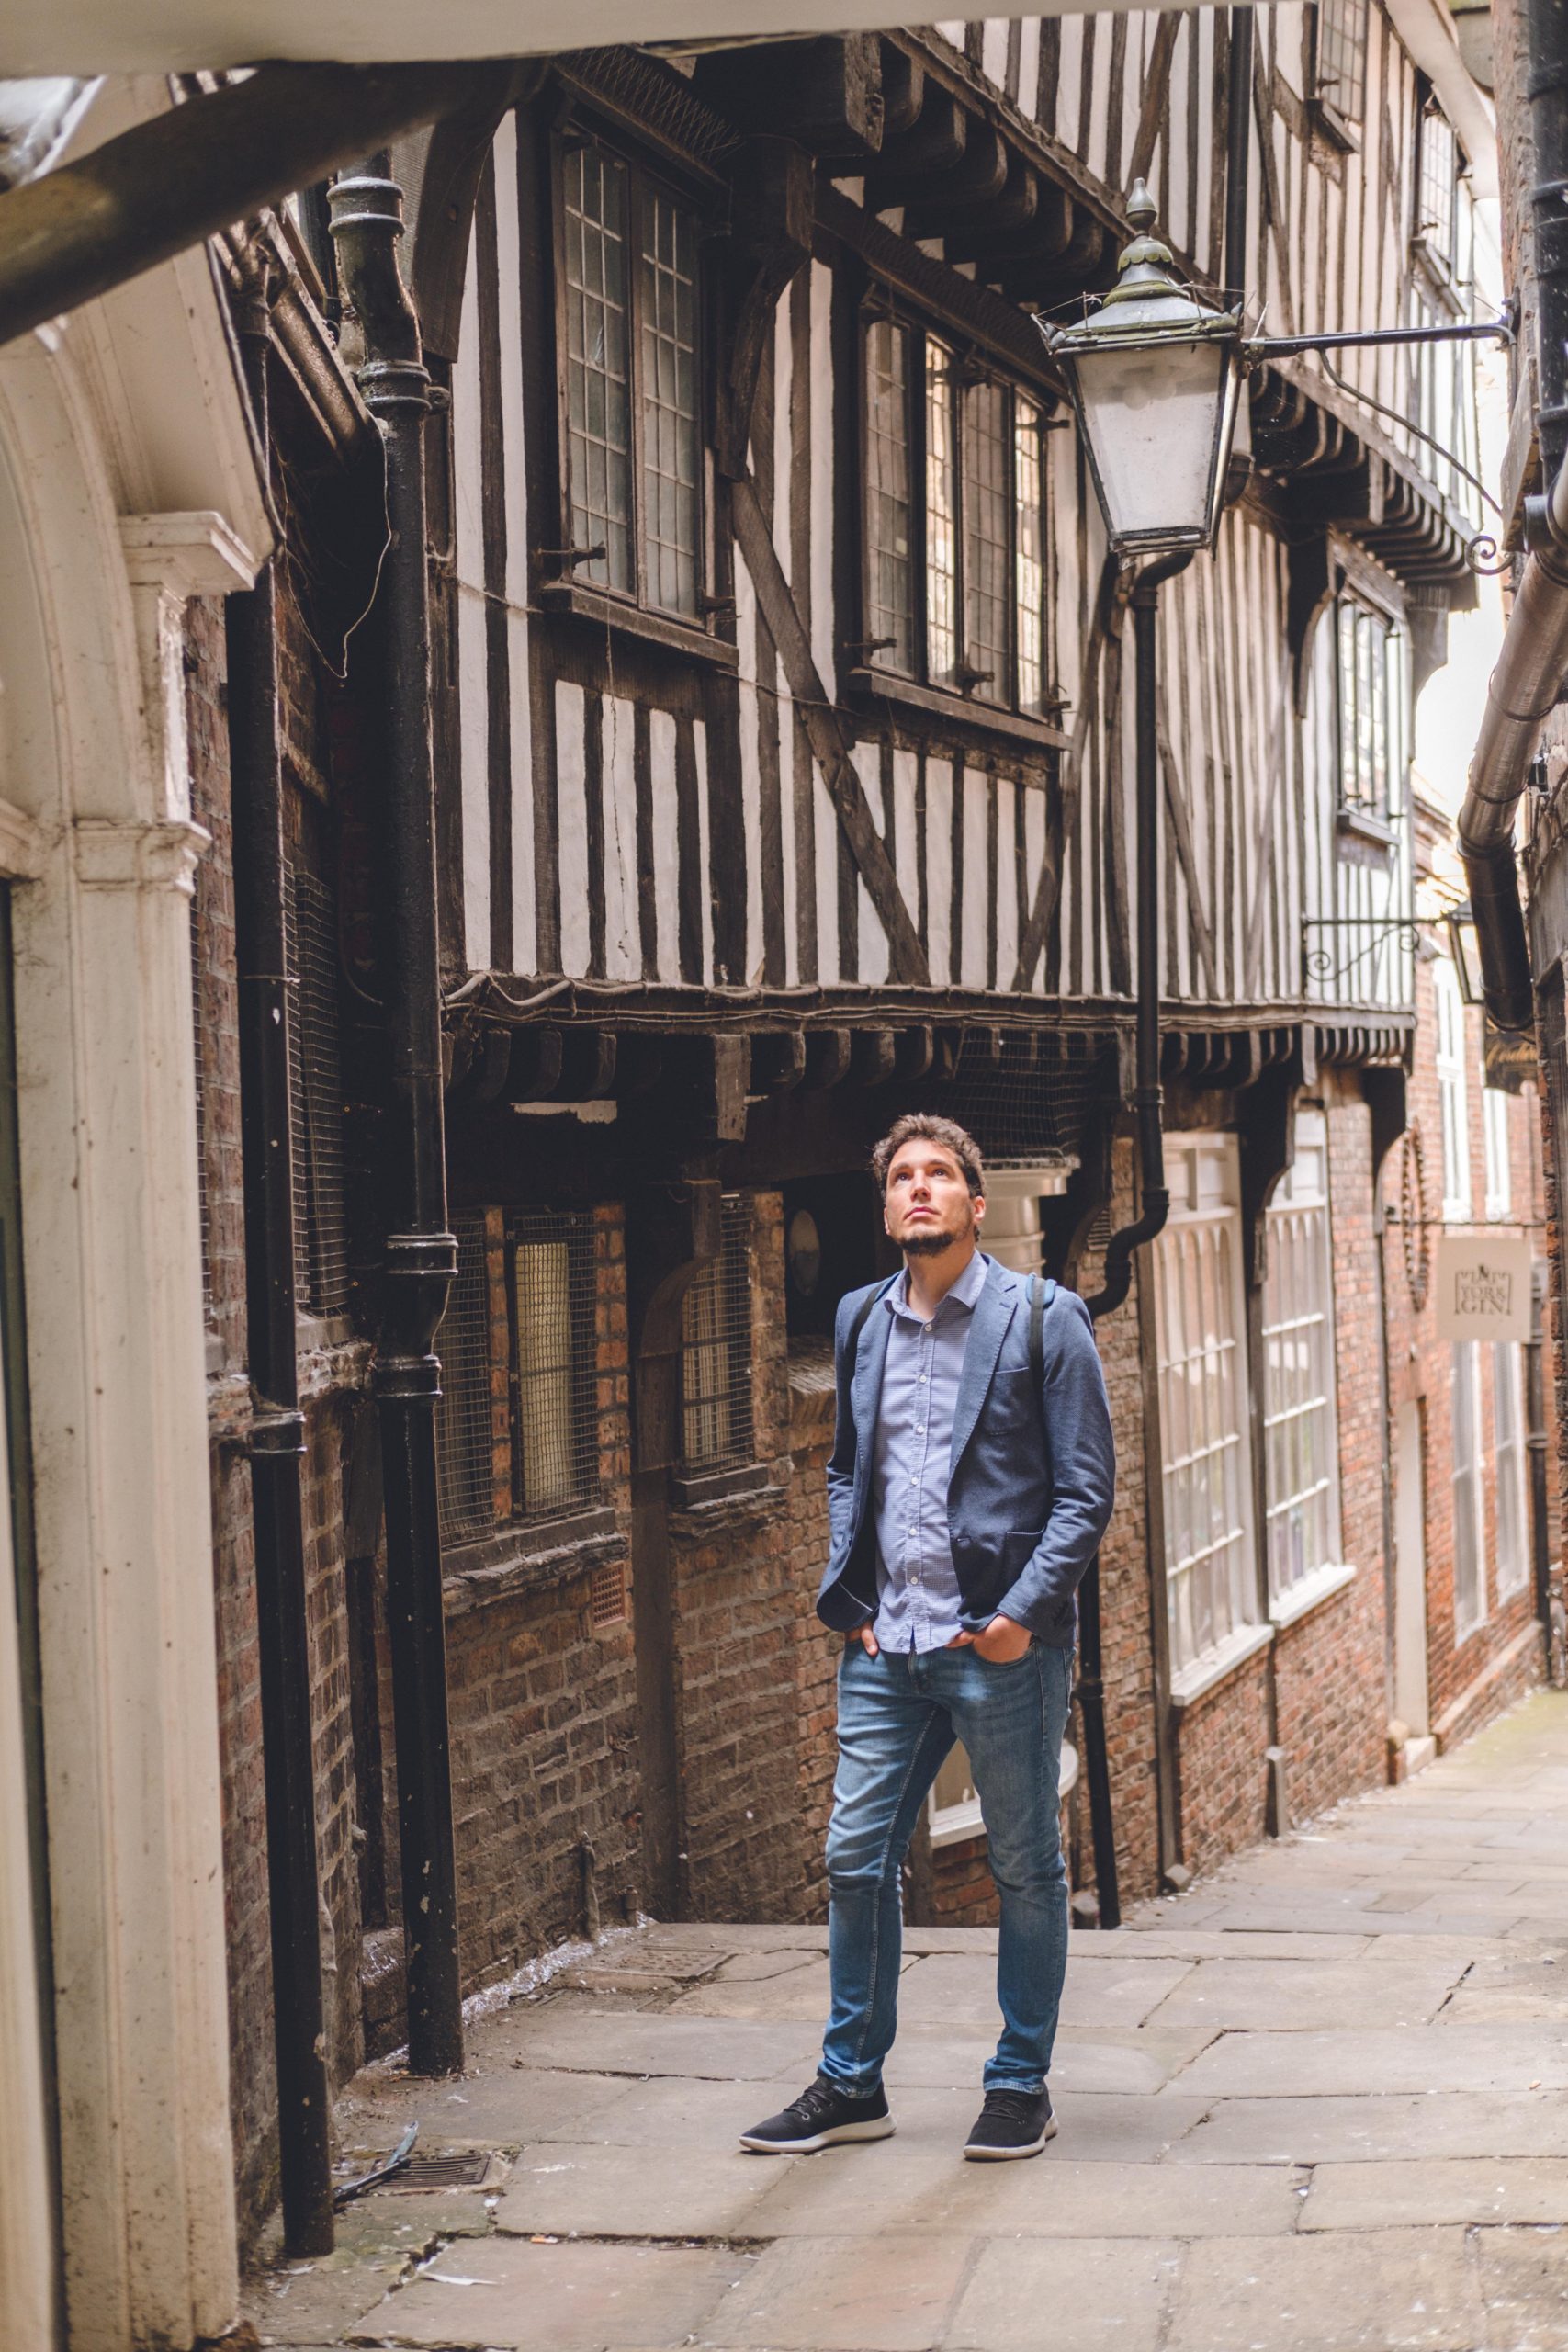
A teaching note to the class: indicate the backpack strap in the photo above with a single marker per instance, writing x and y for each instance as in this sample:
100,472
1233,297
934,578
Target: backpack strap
867,1303
1037,1290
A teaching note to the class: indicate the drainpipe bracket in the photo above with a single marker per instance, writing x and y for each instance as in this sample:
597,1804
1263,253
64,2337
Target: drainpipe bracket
275,1431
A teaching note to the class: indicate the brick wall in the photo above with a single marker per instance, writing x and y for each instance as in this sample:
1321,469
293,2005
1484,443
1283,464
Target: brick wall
1220,1766
737,1623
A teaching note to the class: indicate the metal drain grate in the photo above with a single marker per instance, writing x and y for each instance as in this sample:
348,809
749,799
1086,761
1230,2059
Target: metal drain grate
441,2172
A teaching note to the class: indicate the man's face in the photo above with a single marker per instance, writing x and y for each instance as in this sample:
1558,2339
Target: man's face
928,1206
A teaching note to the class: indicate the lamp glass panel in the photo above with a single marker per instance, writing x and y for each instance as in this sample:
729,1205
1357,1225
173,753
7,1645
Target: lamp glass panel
1152,419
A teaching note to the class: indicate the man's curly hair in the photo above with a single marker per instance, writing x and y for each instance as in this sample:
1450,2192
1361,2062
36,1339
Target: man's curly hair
924,1127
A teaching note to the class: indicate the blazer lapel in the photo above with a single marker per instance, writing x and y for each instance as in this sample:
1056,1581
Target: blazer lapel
865,1387
993,1313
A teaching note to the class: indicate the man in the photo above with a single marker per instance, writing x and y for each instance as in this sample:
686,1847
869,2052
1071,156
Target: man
971,1480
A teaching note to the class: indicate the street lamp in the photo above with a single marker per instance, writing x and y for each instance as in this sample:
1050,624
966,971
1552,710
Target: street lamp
1464,947
1153,375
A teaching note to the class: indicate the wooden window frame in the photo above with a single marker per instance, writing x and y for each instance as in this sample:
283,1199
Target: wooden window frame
1377,821
1440,258
1453,1092
1469,1479
1340,122
1314,1208
869,673
560,588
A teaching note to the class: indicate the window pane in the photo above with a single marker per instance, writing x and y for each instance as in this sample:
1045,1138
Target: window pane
669,405
986,552
1205,1473
1029,488
1440,161
1341,55
1508,1432
889,604
473,1444
1469,1598
598,390
941,519
1301,1440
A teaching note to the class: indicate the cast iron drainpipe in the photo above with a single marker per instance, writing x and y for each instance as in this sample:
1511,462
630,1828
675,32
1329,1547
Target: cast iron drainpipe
1531,665
277,1428
421,1253
1154,1194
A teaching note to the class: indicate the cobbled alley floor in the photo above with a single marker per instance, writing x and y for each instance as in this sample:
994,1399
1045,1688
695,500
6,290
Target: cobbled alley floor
1318,2102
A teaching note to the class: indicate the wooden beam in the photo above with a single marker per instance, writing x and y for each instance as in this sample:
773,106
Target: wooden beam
770,238
1156,87
1180,826
825,732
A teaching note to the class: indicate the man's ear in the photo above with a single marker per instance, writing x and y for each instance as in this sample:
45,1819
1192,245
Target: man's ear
977,1203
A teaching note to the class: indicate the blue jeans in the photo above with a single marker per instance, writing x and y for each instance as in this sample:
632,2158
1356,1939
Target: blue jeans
898,1715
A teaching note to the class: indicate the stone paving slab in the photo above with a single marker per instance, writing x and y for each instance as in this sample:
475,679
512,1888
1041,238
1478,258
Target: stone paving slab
890,2292
1382,2130
1524,2280
1428,2191
1231,1996
617,2192
509,2294
1087,2295
846,2192
1398,2058
1387,2290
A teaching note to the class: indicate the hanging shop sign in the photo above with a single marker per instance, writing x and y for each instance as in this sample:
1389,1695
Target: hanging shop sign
1482,1289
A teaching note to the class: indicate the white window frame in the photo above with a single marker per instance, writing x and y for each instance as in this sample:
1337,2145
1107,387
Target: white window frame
1495,1129
1452,1096
1509,1439
1204,1390
1299,1415
1469,1492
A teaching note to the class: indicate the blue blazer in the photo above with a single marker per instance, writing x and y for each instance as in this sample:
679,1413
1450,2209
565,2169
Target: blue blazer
1031,1480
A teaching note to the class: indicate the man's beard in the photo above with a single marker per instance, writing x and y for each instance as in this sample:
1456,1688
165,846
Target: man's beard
921,1244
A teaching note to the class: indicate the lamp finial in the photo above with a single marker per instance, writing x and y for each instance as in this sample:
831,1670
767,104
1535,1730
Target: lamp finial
1142,210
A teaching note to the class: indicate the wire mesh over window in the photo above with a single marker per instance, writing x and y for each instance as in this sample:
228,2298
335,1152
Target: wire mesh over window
198,1028
1301,1444
1205,1469
716,1379
1341,64
555,1380
669,404
889,596
473,1450
598,364
315,1078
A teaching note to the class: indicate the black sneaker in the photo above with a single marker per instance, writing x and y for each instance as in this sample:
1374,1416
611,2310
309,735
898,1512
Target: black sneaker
1010,2123
818,2117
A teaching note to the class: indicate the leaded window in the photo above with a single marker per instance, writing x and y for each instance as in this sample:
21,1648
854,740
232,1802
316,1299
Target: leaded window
1436,187
955,581
1300,1442
1370,685
633,412
1205,1456
315,1090
1340,61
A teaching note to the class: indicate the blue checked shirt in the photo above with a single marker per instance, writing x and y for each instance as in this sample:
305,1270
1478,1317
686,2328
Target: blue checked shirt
918,1586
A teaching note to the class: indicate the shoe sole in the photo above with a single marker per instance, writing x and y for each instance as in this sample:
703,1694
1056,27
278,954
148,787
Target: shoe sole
882,2129
978,2155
